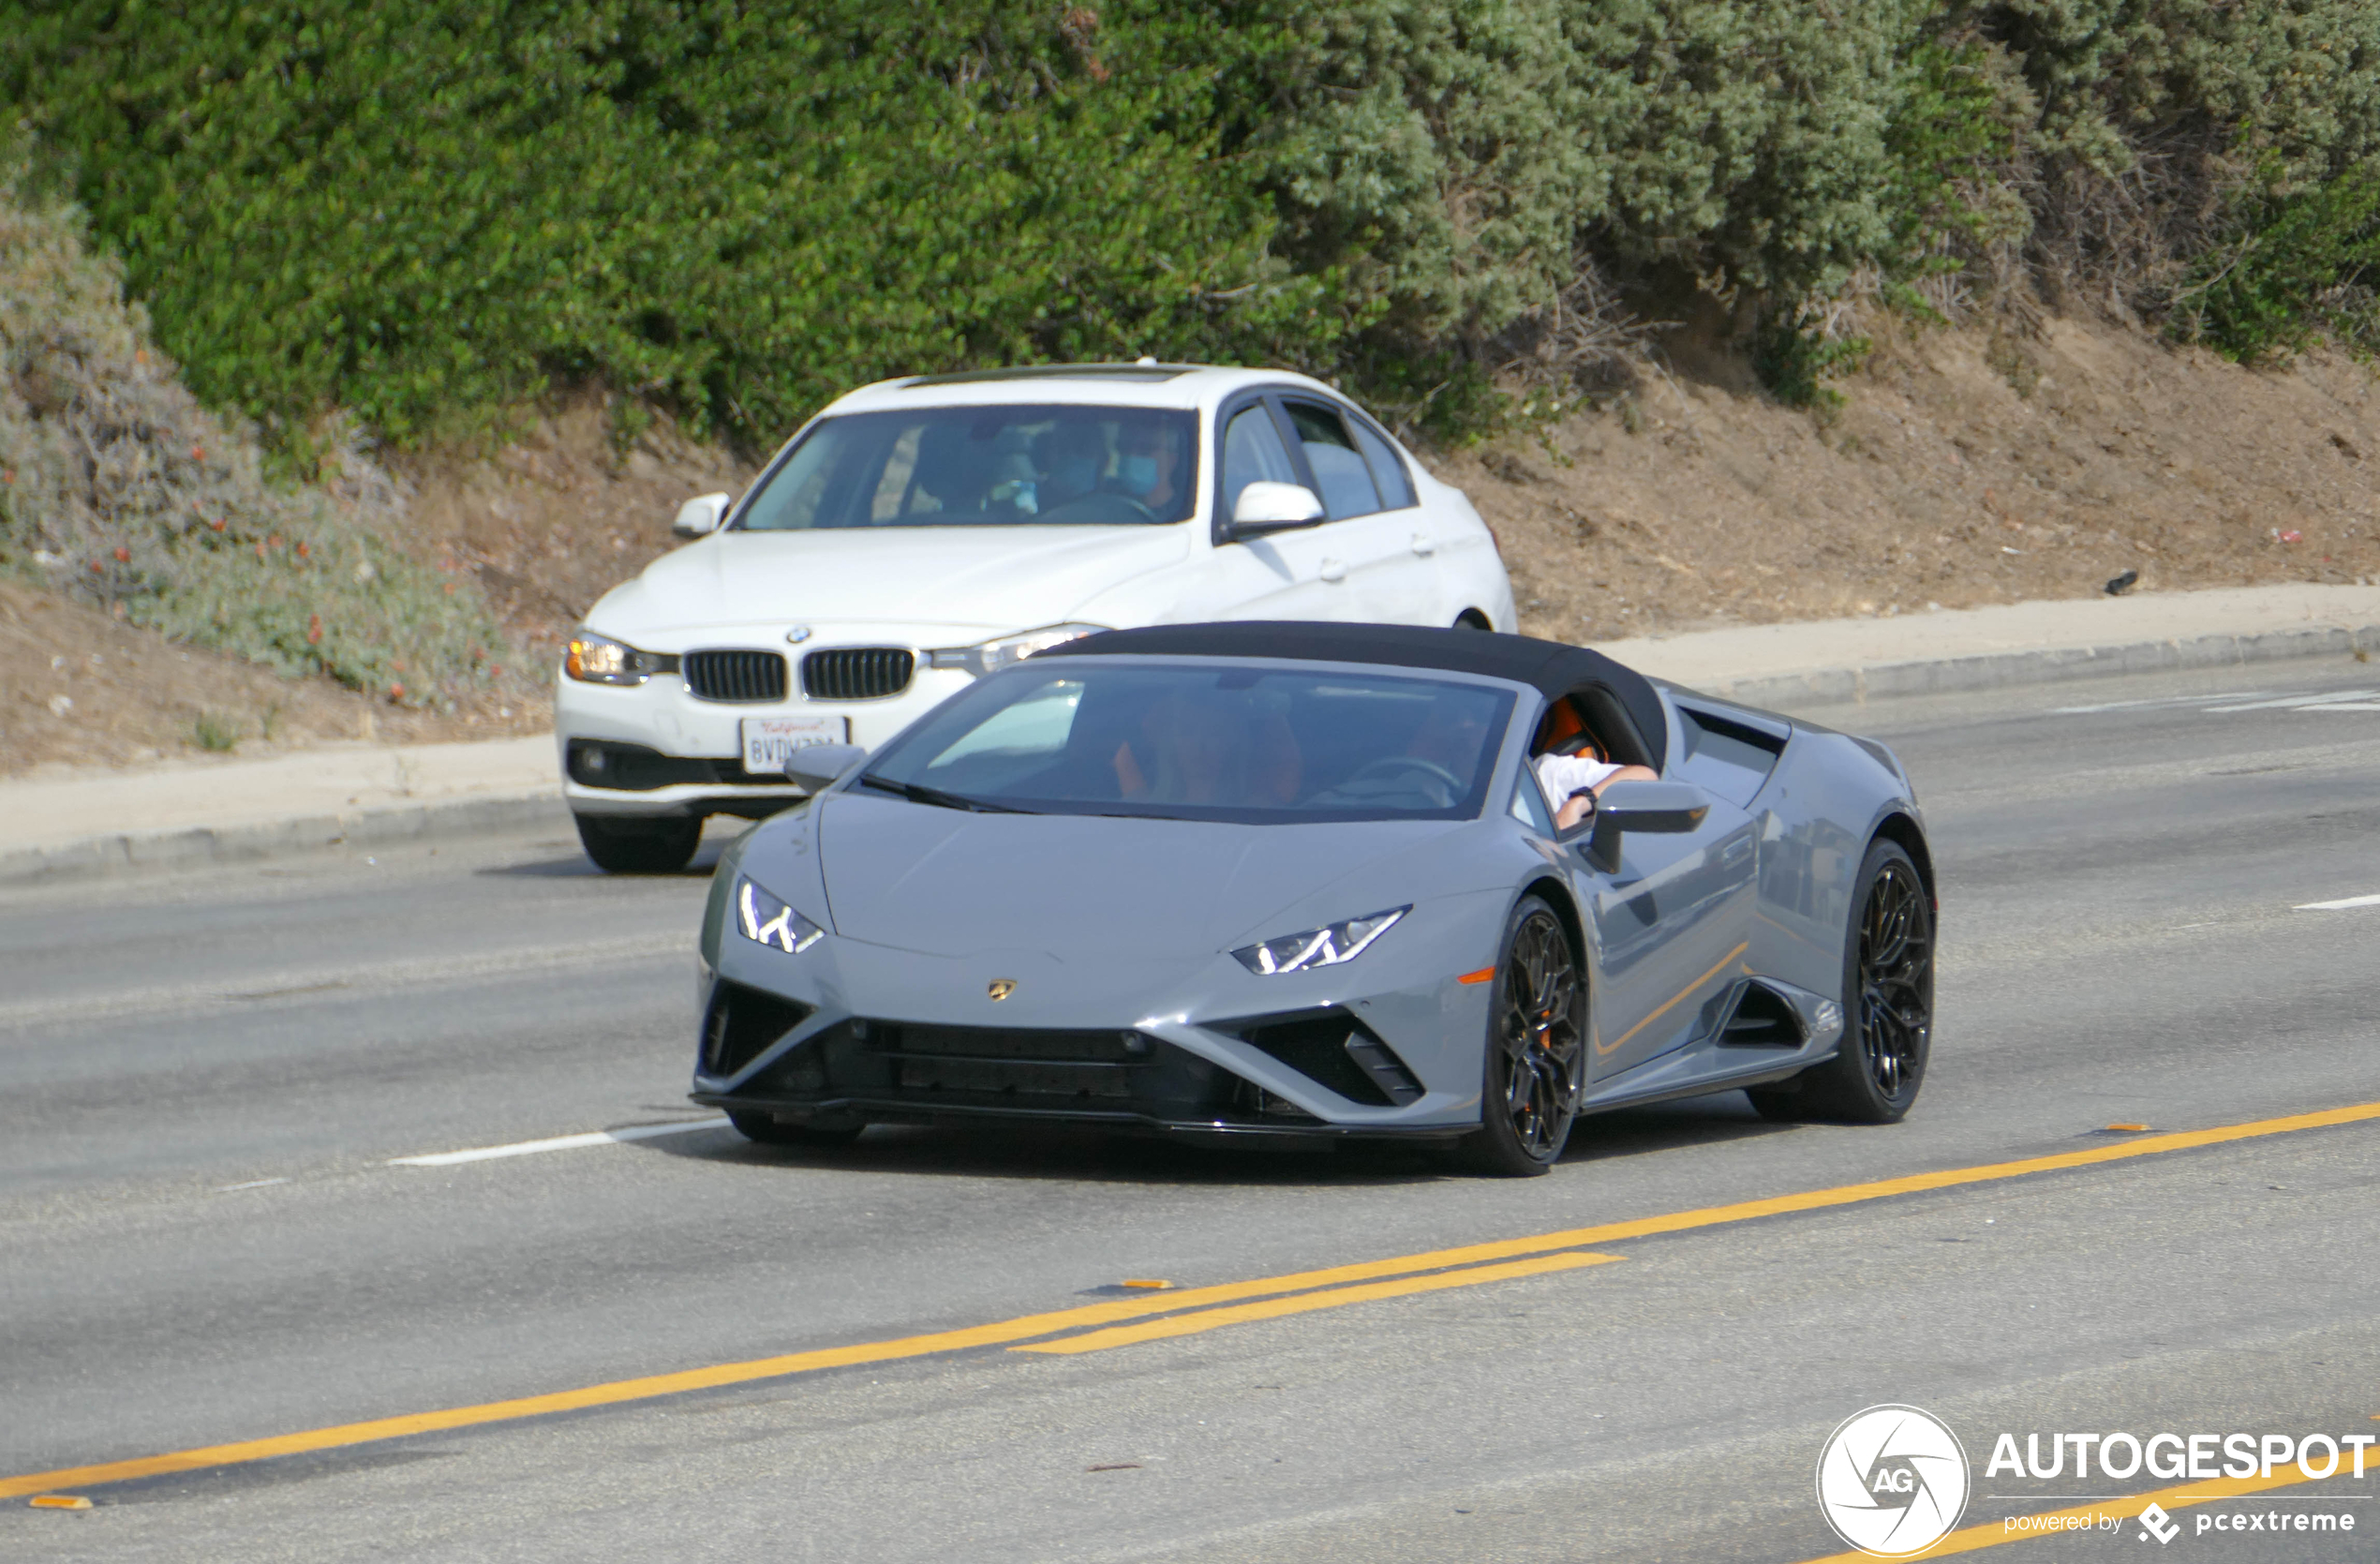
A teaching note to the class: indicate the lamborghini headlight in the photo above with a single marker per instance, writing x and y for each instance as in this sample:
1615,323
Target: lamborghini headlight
990,657
593,658
1318,947
765,920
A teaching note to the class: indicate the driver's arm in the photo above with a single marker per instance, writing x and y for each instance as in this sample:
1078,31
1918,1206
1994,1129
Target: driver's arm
1577,808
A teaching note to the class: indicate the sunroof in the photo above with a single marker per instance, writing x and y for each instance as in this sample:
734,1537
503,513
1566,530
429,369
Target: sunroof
1136,374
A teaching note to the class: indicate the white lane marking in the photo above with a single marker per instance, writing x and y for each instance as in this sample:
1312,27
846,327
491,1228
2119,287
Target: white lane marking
2300,703
252,1184
2335,906
2162,700
558,1143
2344,706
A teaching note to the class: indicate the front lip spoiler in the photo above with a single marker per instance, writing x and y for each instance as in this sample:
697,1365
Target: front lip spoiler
887,1110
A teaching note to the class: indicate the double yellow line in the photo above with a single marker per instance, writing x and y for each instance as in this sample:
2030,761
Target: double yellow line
1097,1327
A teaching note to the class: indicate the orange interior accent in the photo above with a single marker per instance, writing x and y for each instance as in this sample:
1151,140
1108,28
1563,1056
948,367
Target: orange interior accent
1560,723
1480,976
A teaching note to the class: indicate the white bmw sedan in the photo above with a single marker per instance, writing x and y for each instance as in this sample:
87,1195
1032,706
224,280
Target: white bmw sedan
919,533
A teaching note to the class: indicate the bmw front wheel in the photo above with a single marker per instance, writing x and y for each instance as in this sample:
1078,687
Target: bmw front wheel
1536,1044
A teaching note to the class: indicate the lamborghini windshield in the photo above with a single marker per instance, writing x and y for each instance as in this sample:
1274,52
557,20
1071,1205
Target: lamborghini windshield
1204,741
979,467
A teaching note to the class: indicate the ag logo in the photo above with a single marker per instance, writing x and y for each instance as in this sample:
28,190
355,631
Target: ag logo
1892,1480
2156,1522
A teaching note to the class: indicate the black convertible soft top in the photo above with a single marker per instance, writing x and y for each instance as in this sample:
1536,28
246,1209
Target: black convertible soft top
1552,667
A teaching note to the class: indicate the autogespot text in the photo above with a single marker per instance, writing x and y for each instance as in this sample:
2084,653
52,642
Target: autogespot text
2192,1458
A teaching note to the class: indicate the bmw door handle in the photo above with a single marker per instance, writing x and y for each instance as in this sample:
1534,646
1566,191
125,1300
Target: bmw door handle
1424,544
1736,851
1332,570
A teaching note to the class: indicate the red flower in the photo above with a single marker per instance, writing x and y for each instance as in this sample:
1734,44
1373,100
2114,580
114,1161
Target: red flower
123,554
197,453
396,692
313,630
97,567
304,551
217,524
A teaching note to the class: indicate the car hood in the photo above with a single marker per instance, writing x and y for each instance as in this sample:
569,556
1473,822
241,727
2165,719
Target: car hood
946,882
998,579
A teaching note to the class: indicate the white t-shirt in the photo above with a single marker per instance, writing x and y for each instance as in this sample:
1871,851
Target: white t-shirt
1564,775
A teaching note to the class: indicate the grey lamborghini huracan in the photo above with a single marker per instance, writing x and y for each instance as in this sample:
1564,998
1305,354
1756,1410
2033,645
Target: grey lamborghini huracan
1268,879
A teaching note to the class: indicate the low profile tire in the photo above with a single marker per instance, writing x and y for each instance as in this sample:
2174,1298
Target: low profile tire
766,1130
1536,1045
1888,1005
633,846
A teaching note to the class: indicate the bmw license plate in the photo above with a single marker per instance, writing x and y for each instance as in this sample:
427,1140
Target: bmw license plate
769,741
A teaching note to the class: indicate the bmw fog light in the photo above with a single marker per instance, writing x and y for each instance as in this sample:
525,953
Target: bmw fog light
1318,947
765,920
990,657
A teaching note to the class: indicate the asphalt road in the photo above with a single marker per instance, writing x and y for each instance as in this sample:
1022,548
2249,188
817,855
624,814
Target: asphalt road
204,1081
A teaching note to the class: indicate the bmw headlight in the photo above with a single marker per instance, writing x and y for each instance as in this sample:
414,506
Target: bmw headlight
765,920
1318,947
990,657
593,658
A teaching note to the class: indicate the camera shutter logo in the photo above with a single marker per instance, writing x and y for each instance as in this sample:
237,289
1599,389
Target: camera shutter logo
1893,1481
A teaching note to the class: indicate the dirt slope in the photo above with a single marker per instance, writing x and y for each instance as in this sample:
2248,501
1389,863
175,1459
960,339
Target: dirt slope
1961,470
547,526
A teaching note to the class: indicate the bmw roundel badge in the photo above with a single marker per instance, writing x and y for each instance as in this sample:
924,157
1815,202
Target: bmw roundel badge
796,636
1001,988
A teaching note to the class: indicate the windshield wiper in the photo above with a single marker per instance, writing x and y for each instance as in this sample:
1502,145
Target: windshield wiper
917,793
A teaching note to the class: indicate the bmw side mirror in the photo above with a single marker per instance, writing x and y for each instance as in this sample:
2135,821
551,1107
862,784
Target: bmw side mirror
817,766
1659,807
700,516
1264,507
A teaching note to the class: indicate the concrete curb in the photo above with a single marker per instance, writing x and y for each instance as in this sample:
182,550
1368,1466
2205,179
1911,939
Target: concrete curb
2052,666
106,856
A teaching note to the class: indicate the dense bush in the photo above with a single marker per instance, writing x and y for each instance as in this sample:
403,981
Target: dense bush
118,488
424,212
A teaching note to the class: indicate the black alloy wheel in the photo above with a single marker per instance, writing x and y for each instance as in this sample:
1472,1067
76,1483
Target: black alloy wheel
1536,1049
1888,988
634,845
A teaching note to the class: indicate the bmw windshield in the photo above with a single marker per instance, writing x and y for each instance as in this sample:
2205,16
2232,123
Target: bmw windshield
1203,741
984,467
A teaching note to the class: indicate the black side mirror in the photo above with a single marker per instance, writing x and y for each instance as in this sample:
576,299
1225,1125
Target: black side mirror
817,766
1659,807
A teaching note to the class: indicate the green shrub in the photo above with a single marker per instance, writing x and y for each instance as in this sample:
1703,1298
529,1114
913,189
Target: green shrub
2297,265
424,213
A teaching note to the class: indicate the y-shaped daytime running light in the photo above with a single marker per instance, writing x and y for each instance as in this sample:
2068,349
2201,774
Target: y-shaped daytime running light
767,921
1317,948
